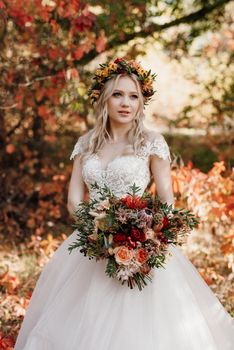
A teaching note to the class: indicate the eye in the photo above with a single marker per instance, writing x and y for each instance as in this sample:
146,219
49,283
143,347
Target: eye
134,96
116,94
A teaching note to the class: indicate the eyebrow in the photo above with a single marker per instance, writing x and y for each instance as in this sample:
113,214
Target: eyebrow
131,92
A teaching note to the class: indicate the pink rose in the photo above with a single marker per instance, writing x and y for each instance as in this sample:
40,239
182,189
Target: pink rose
123,255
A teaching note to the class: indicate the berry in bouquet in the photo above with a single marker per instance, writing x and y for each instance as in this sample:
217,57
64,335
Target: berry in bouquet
133,233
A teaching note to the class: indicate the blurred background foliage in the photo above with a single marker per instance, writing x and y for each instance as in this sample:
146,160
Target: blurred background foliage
49,50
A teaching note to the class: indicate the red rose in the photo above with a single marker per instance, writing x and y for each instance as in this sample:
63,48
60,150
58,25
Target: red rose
119,237
165,221
161,237
117,60
130,243
138,235
160,234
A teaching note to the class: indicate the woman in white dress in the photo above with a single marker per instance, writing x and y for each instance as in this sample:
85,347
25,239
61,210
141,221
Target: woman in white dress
75,305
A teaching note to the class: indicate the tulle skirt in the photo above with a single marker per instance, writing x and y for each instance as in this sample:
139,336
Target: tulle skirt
76,306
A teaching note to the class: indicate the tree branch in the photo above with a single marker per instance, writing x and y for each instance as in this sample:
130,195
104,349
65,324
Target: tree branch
10,132
156,28
34,80
9,107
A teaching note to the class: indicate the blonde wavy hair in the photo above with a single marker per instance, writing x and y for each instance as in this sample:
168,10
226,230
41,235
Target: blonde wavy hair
96,137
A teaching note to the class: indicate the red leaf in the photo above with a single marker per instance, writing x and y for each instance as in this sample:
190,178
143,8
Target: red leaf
55,26
2,5
79,52
43,111
54,53
84,21
21,18
101,42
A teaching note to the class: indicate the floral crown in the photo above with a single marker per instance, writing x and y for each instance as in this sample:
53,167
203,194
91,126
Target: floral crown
121,66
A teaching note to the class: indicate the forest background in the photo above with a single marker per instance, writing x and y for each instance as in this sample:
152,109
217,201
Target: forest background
49,50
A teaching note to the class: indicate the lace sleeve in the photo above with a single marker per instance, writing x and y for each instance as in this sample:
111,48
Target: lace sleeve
160,147
78,148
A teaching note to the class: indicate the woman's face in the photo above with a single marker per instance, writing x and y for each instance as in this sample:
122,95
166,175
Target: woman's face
124,102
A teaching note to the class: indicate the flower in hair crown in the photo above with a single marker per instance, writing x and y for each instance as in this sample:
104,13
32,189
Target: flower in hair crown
121,66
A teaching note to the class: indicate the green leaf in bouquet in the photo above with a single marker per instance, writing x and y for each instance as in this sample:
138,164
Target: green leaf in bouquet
104,191
169,235
111,267
156,261
134,189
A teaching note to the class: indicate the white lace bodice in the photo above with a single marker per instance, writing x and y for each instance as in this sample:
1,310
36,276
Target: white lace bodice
123,171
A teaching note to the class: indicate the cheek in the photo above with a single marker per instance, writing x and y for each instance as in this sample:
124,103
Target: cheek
113,103
135,105
111,106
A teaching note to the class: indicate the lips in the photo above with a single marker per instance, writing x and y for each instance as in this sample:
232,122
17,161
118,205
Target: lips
124,112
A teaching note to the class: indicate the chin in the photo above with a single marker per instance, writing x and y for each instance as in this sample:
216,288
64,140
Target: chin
127,121
124,119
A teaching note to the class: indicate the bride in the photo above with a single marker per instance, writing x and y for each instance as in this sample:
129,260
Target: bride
75,306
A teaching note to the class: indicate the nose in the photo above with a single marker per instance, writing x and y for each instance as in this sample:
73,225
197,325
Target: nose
125,100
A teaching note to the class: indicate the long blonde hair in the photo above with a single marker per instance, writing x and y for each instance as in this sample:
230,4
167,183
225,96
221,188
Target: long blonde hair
97,136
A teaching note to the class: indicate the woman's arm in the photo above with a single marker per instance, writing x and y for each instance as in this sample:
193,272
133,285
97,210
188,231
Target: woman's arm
76,187
161,171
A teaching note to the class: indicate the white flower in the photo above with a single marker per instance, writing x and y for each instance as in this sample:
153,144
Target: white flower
123,274
110,239
105,204
97,215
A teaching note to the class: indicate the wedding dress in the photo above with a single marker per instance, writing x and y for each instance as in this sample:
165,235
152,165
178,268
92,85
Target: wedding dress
76,306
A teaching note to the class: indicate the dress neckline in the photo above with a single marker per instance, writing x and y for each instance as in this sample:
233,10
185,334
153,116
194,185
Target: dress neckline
111,161
98,158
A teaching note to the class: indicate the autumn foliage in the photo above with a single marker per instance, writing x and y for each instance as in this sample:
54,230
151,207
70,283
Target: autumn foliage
45,46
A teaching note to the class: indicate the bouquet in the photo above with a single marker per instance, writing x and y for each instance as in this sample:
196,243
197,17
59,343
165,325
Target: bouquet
133,233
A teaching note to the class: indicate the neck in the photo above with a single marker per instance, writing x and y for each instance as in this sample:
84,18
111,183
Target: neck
119,132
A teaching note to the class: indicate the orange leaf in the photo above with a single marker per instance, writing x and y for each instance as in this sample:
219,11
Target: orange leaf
206,278
10,148
31,223
227,248
72,73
